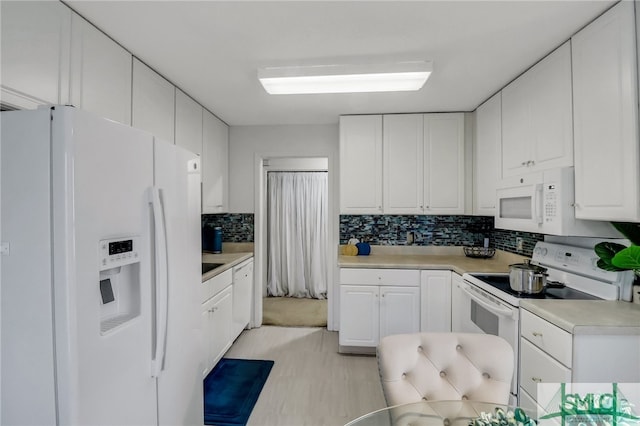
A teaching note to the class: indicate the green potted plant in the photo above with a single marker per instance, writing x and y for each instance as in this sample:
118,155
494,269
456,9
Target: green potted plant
616,257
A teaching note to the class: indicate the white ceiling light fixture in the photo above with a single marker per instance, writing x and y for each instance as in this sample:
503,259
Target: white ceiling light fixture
392,77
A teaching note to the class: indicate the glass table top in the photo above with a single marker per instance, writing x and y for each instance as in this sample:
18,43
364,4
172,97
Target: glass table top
433,413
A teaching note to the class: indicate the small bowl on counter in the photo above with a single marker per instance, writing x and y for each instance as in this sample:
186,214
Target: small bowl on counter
479,252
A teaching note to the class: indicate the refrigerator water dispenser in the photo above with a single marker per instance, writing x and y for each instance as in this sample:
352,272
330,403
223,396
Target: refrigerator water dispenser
119,283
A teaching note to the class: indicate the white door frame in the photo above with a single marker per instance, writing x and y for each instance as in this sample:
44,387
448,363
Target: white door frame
261,167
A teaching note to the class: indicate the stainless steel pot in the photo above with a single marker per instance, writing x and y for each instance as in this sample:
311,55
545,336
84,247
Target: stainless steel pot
527,278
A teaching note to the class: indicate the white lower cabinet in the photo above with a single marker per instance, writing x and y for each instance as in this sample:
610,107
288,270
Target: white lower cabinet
216,324
377,302
549,354
242,297
435,301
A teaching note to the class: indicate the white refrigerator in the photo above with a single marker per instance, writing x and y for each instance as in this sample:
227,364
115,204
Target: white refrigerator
100,268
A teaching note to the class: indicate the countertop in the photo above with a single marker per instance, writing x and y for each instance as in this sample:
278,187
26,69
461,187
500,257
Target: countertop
229,259
588,316
431,257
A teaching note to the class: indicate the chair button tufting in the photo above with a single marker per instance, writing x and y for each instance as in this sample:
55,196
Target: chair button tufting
446,422
443,374
404,375
424,398
486,375
465,397
459,347
419,348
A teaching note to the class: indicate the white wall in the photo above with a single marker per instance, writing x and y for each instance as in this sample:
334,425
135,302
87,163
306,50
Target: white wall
247,142
248,147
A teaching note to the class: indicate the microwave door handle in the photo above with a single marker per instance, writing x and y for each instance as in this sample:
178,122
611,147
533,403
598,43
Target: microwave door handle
504,312
537,204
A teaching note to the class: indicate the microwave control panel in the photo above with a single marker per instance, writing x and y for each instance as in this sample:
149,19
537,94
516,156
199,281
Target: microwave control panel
550,202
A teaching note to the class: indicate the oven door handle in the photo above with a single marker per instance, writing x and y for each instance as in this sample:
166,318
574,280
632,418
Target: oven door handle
504,312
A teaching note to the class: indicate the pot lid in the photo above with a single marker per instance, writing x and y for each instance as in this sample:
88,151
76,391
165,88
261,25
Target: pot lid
528,266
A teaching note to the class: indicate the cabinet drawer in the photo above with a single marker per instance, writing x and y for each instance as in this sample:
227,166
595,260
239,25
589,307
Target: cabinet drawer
548,337
538,367
392,277
216,284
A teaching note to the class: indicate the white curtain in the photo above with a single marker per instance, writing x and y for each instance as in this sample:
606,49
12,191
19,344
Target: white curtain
297,237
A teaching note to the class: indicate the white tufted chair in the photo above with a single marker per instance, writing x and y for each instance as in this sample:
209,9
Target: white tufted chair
445,366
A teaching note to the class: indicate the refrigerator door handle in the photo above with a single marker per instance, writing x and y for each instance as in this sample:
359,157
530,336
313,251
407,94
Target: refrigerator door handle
161,281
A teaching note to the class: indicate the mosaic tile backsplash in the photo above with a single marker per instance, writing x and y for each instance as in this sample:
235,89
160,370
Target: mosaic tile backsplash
393,230
236,227
433,230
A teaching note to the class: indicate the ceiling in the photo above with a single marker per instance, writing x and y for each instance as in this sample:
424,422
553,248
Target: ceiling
212,49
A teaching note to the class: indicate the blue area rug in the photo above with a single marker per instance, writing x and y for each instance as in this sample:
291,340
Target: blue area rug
231,390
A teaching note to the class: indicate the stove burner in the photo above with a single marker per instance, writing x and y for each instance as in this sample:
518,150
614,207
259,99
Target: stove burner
554,289
555,284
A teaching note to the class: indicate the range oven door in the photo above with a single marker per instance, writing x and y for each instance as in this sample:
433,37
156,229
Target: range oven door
476,311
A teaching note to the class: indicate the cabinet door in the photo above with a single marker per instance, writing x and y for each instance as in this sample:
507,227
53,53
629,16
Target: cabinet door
537,367
537,117
359,315
215,160
361,164
605,102
100,73
435,301
457,308
242,297
552,113
153,104
403,164
517,131
188,123
35,40
217,312
399,310
444,163
486,156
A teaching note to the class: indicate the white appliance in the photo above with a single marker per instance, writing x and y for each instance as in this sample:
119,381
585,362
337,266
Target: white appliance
485,303
100,272
544,202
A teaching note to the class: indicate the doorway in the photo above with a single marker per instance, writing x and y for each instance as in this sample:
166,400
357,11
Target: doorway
294,241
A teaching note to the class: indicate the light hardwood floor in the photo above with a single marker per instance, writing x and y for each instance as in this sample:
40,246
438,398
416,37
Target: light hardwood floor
310,383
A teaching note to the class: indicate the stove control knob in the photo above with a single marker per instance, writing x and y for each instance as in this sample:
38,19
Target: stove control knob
542,251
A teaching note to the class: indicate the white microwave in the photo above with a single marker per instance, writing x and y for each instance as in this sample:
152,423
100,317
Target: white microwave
543,202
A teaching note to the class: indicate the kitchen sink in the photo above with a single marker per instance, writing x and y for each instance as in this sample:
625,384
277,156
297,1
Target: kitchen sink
206,267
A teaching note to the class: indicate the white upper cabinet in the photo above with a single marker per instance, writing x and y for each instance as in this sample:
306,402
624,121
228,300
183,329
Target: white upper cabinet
215,160
100,73
188,123
444,163
403,164
423,164
537,116
605,96
361,164
486,156
35,53
153,105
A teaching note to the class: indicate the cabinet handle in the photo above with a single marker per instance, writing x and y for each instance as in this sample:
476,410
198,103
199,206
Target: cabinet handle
536,379
536,334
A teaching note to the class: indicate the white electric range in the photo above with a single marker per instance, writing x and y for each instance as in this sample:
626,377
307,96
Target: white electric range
485,303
